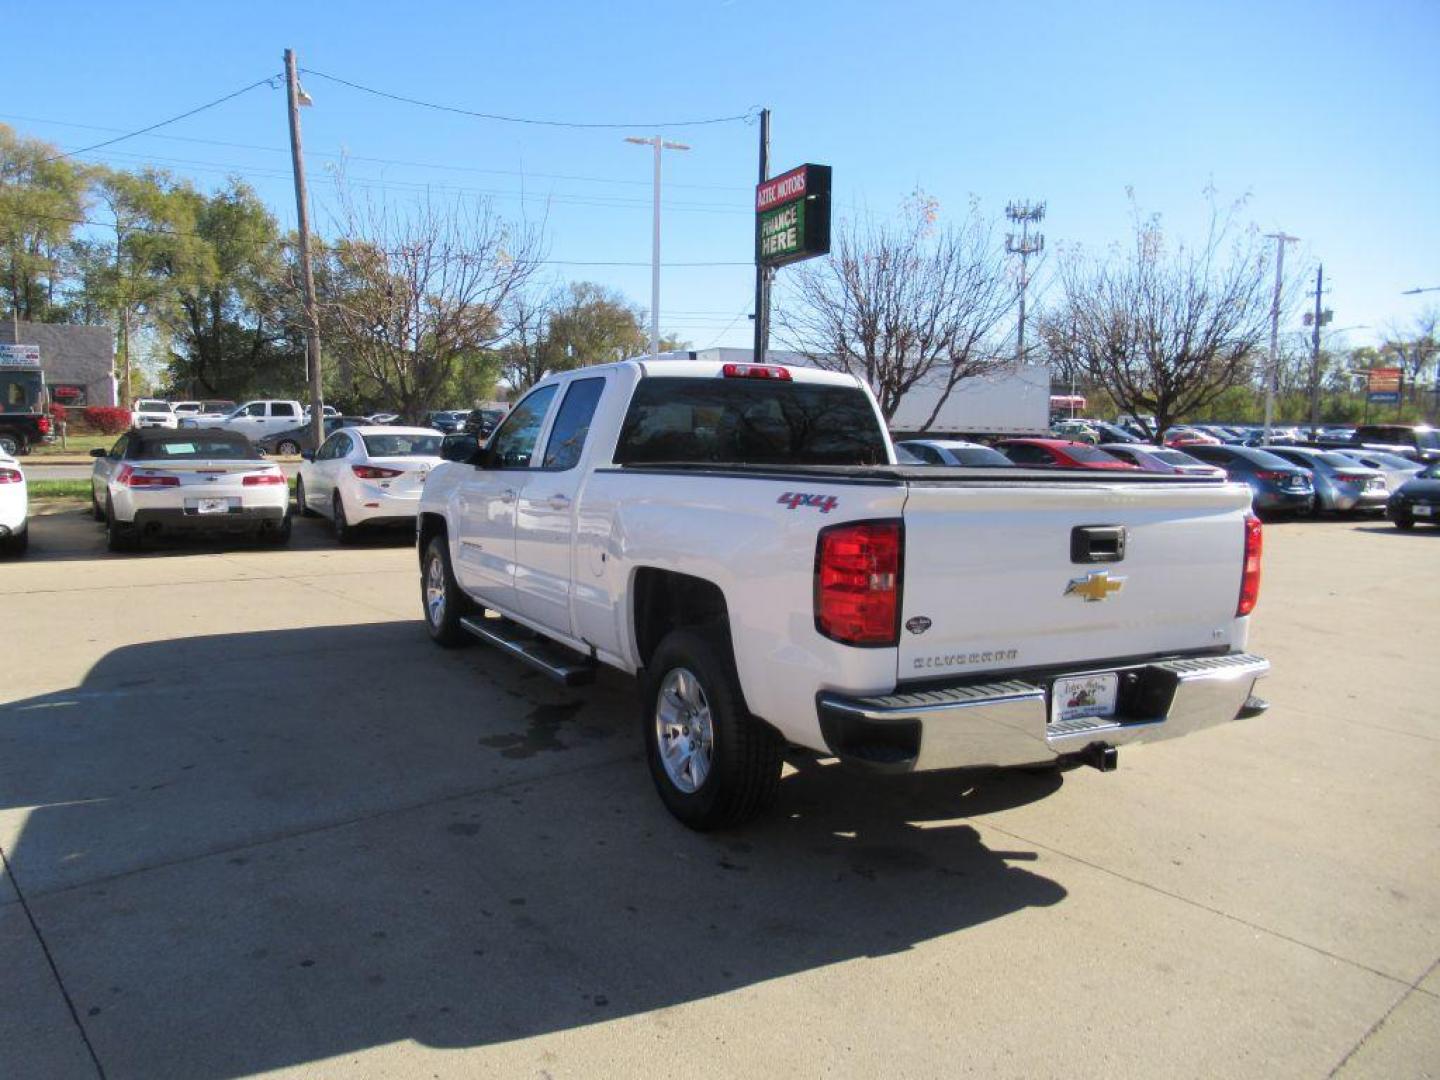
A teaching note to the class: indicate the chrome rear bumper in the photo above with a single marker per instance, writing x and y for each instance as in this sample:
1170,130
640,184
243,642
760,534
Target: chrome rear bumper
1007,722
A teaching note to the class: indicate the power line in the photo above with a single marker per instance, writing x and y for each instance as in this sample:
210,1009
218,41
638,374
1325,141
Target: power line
342,156
596,199
650,126
162,123
181,233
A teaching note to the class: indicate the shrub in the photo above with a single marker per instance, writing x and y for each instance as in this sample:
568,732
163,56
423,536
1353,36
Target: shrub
107,419
57,412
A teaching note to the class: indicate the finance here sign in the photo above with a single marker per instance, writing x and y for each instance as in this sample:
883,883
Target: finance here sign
792,216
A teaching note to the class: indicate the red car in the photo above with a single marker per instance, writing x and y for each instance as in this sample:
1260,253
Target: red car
1058,453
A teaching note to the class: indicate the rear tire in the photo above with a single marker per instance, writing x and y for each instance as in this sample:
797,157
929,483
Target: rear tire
118,535
10,444
1404,525
300,502
95,511
281,536
713,763
287,448
344,531
441,597
16,543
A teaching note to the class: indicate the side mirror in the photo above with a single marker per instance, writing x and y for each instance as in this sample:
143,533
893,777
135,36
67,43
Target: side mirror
308,455
98,452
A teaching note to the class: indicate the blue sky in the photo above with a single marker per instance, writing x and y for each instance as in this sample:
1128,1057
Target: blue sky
1325,114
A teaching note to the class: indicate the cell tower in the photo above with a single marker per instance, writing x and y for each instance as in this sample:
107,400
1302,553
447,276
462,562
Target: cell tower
1024,214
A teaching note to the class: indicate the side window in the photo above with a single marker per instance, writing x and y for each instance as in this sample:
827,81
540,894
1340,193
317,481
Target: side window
1027,455
572,423
118,450
514,441
332,449
256,408
282,408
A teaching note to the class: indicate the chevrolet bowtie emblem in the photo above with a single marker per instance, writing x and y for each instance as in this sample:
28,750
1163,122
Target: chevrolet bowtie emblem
1094,586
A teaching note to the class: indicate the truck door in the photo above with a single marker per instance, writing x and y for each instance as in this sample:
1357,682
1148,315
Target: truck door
487,500
283,416
545,514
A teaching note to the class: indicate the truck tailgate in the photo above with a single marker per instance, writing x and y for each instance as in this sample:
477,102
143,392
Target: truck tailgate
990,566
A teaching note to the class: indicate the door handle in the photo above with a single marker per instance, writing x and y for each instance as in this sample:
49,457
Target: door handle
559,501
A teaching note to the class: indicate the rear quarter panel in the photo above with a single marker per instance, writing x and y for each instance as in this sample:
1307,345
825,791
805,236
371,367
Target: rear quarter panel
735,533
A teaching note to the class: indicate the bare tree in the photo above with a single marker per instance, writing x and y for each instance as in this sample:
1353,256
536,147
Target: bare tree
413,291
903,305
1164,328
1415,349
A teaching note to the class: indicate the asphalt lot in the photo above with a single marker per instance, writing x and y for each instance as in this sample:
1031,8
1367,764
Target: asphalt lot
261,825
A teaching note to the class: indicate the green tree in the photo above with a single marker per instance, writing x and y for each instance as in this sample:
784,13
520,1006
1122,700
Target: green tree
43,200
208,271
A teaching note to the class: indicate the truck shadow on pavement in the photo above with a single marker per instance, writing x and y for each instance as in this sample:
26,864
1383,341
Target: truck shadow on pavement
258,850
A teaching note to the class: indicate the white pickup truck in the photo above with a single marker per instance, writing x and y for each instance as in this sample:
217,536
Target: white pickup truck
254,419
740,538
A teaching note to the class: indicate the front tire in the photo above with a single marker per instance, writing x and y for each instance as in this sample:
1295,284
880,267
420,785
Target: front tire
441,596
304,506
344,531
713,763
287,448
1404,524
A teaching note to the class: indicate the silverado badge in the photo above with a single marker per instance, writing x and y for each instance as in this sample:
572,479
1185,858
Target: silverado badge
1094,586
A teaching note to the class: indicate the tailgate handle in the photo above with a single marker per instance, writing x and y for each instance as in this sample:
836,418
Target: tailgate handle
1097,543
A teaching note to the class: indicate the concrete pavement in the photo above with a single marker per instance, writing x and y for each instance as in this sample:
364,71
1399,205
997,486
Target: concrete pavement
256,823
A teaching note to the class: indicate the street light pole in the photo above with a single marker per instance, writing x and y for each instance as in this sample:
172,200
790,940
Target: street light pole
1280,241
660,146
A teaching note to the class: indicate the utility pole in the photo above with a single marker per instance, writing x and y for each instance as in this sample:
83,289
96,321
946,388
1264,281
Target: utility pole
1319,319
1023,214
1270,375
660,146
294,98
762,272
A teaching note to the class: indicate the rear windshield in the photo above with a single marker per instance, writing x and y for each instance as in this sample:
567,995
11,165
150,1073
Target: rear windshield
1263,459
198,448
749,422
402,445
152,406
980,456
1092,455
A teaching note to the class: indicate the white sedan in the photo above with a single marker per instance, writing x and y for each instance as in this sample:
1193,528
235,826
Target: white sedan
14,507
367,476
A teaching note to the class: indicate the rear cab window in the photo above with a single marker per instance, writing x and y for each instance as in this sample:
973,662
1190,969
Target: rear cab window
682,420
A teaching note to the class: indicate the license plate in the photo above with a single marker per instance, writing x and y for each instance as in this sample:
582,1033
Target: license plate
1083,695
213,506
1422,511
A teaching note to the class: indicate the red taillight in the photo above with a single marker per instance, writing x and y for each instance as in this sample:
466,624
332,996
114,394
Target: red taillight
1250,575
43,423
132,479
857,583
756,371
263,478
374,472
11,476
1272,474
